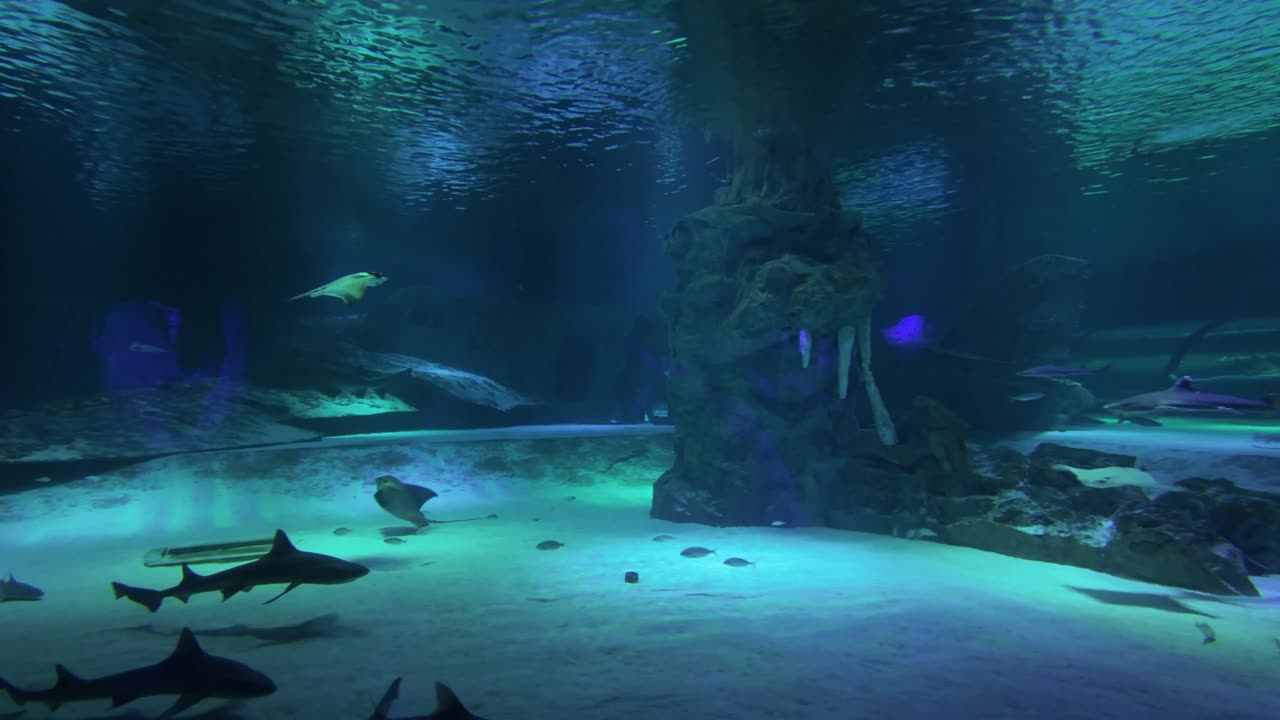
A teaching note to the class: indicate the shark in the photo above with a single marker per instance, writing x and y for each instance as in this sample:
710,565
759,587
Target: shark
189,672
348,288
448,706
1183,397
283,564
1062,371
11,590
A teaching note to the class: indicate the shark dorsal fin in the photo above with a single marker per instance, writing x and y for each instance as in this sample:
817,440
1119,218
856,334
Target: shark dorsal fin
66,678
189,575
187,646
1184,383
448,704
280,544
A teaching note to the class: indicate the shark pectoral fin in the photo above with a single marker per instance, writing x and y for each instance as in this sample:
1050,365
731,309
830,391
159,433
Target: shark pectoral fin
183,702
283,593
383,709
228,592
118,700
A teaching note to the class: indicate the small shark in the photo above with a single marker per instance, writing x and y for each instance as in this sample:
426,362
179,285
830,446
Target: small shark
1182,396
1061,371
448,706
11,590
282,565
348,288
189,672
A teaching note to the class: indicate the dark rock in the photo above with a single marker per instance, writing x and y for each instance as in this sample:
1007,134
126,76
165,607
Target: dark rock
1205,535
759,438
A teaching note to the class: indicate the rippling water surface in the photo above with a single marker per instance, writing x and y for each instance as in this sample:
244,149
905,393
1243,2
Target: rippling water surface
453,98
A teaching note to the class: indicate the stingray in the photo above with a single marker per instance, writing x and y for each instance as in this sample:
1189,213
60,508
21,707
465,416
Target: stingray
403,500
348,288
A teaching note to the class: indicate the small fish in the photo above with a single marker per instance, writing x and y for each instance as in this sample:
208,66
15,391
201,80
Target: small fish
1207,631
550,545
11,590
738,562
394,540
697,551
341,531
1026,397
1061,371
663,538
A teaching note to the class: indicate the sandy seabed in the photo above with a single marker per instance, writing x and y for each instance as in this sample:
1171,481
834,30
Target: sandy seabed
827,624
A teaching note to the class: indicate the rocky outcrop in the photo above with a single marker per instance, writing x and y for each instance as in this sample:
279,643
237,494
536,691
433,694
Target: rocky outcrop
758,434
1205,535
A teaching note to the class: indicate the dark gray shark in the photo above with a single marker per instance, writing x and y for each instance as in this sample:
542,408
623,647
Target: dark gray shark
282,565
189,672
1183,397
1062,371
448,706
11,590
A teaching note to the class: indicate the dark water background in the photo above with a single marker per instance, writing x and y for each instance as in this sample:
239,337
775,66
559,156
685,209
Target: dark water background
215,155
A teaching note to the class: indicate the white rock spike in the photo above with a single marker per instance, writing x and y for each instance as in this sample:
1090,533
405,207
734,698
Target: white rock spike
846,358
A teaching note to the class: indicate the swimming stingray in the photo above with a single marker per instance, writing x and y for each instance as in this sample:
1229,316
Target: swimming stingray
348,288
402,499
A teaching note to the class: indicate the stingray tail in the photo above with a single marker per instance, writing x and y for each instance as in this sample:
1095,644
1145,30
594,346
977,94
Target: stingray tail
149,599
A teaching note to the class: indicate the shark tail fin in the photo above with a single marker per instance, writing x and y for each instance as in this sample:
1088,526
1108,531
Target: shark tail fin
149,599
17,696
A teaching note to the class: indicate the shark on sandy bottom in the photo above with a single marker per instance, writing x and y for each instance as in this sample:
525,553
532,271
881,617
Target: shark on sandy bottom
348,288
448,706
189,672
283,564
1183,397
13,591
325,626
